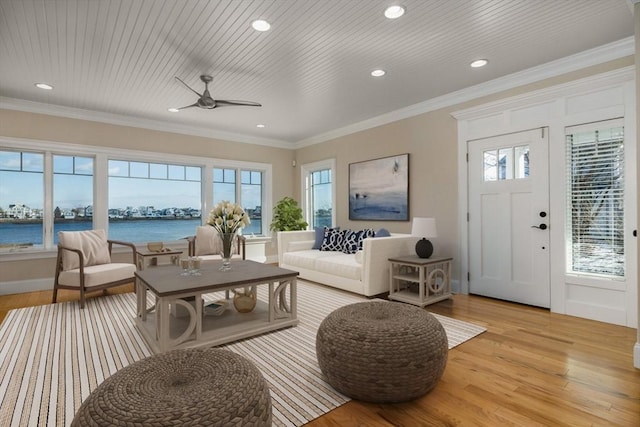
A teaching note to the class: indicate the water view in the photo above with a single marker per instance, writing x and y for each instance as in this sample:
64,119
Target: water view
139,230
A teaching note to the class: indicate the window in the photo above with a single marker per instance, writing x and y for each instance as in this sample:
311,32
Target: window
136,196
224,185
319,193
72,194
144,196
595,198
251,199
248,193
506,163
21,199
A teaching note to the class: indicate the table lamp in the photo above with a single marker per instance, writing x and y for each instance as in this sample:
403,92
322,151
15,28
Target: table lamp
426,229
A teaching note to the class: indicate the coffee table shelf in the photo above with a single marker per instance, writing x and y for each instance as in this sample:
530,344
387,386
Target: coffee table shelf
164,331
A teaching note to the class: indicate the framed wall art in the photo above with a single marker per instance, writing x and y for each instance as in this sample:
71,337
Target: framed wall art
379,189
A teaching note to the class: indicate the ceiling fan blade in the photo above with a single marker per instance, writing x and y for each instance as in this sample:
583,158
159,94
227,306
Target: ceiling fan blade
229,103
187,86
189,106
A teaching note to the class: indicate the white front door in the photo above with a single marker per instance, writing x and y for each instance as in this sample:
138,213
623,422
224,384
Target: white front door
509,217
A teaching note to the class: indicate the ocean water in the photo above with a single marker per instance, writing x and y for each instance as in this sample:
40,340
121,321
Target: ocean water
142,230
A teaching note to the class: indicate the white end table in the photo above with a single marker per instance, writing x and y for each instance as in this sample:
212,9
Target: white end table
419,281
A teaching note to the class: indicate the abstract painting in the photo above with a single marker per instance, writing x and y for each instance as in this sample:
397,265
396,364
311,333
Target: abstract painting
379,189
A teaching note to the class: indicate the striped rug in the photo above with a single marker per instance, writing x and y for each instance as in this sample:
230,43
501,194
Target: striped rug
53,356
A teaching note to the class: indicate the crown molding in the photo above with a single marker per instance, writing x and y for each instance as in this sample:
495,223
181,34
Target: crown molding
117,119
599,81
609,52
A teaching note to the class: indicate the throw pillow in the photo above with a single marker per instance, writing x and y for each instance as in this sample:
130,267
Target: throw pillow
92,243
332,240
367,232
383,232
319,237
207,241
350,241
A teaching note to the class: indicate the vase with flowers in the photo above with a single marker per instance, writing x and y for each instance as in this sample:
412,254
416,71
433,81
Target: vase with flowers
227,219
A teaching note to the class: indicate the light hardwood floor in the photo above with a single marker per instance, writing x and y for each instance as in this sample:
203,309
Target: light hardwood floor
531,368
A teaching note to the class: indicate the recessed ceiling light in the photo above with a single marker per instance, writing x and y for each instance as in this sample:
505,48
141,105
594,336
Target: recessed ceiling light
260,25
260,126
44,86
393,12
479,63
173,110
378,73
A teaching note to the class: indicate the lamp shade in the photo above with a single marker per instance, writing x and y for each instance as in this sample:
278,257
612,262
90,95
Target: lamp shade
424,227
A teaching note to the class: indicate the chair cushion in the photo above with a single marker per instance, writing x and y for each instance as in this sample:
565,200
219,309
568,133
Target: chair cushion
98,274
207,241
92,243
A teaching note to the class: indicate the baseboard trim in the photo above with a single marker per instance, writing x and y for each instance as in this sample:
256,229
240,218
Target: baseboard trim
22,286
636,355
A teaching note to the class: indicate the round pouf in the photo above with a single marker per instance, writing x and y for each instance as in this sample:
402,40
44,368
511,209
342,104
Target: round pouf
380,351
194,387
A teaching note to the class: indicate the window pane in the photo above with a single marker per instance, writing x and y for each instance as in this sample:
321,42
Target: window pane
505,163
595,199
521,162
251,194
158,171
321,198
72,194
193,173
153,209
176,172
490,165
21,199
224,185
118,168
138,170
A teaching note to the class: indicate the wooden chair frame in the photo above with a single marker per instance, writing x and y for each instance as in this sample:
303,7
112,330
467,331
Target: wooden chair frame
82,288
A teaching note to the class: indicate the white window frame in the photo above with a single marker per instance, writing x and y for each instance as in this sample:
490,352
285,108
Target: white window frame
306,171
102,155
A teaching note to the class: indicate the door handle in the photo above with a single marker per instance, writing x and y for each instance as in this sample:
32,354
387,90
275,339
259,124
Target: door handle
540,227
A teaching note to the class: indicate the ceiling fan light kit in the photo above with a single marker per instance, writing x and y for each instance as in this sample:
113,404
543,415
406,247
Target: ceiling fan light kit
206,102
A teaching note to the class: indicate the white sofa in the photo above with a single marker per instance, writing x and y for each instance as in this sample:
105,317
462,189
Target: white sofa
365,272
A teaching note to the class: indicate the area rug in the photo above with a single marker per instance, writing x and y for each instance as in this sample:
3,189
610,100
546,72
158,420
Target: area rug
53,356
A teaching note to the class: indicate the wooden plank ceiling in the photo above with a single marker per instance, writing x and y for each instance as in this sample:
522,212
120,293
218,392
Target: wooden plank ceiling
310,71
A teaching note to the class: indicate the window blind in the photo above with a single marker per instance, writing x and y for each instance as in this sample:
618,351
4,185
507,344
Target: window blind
595,198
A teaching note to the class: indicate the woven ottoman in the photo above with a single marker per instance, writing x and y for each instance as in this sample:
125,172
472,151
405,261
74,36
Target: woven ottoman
382,352
191,387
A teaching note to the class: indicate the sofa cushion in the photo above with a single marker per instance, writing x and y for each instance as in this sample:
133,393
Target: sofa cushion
332,240
304,259
100,274
207,241
343,265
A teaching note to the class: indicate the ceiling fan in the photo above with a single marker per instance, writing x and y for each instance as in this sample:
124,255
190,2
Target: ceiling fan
206,102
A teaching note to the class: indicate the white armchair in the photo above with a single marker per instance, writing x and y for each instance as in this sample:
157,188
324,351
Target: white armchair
207,246
84,263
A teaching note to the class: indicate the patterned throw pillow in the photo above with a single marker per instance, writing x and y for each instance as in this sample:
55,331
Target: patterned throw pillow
367,232
352,242
332,240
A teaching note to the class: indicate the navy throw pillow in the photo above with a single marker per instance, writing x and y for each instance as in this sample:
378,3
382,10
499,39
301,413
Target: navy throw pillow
332,240
350,241
367,232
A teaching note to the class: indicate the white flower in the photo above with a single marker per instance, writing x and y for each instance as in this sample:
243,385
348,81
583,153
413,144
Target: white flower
228,217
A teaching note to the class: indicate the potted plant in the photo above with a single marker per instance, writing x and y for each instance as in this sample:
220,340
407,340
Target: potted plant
287,216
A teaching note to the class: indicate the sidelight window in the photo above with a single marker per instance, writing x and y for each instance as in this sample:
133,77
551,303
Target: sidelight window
595,198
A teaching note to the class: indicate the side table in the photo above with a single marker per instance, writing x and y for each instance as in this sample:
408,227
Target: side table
419,281
148,258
